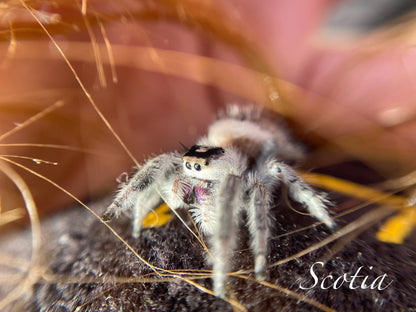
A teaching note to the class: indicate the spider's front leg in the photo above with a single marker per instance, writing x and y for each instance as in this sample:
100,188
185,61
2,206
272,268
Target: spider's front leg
229,202
141,193
225,230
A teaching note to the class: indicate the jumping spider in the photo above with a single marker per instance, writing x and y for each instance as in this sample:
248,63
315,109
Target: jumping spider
238,167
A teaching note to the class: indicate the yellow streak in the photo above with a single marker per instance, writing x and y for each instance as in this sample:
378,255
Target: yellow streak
160,216
355,190
397,228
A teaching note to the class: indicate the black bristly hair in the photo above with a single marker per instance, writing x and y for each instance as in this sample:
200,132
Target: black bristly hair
208,153
185,148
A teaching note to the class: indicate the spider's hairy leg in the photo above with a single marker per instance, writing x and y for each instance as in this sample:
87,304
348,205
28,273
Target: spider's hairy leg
225,231
148,200
258,218
137,190
302,193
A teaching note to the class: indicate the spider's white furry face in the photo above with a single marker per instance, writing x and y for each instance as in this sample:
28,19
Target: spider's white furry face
211,163
239,166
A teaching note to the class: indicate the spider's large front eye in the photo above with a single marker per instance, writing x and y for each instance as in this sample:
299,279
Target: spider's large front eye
197,167
188,165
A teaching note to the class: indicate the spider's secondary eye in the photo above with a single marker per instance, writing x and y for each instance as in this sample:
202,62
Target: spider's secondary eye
197,167
188,165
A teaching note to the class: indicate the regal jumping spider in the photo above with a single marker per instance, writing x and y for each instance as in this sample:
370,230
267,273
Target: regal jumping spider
237,168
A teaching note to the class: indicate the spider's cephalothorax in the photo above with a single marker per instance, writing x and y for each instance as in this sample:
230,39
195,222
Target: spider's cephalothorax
204,162
237,167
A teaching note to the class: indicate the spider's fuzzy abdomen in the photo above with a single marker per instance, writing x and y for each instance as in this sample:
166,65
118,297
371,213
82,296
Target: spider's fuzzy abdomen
225,132
254,134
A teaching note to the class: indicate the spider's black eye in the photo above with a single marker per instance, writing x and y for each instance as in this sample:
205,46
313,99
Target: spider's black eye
197,167
188,165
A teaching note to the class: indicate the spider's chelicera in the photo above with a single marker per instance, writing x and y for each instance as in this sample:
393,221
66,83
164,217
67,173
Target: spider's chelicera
237,168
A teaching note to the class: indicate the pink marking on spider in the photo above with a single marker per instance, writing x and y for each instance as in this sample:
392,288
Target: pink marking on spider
201,194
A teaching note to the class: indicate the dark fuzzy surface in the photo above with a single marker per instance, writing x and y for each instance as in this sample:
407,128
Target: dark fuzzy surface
87,249
81,259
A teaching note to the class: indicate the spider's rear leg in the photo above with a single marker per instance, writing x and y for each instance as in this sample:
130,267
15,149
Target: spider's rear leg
301,192
225,230
258,218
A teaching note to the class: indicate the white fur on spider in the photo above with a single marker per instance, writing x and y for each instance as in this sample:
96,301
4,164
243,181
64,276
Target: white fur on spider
236,167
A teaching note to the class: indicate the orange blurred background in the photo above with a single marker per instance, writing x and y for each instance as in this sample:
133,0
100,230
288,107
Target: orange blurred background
158,71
